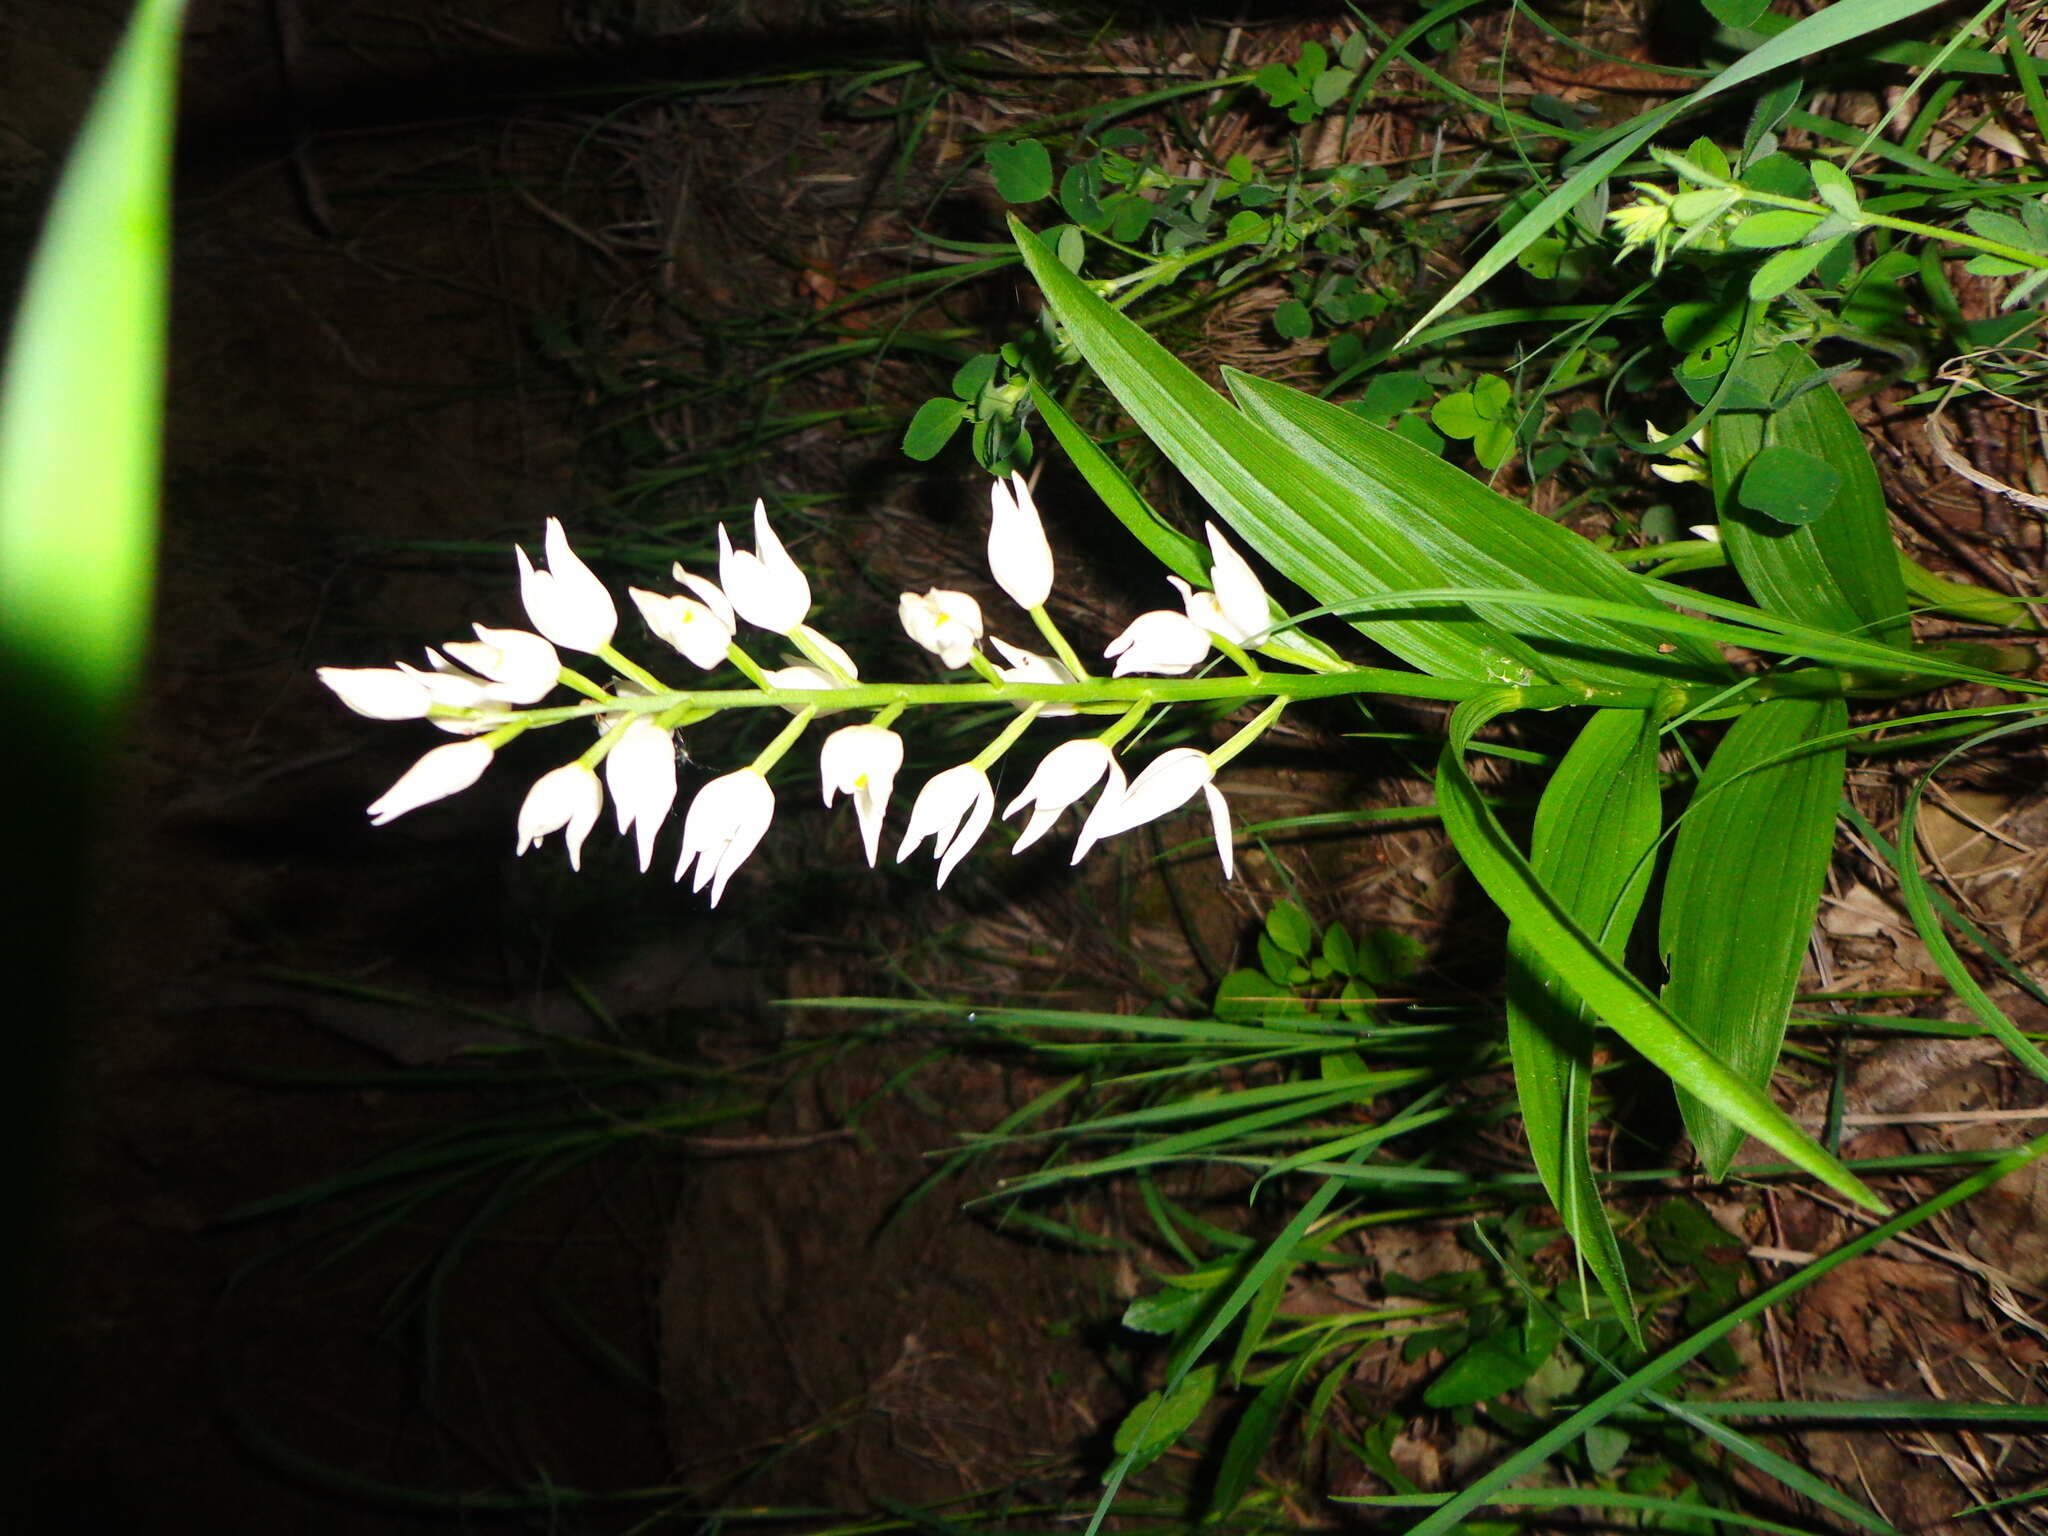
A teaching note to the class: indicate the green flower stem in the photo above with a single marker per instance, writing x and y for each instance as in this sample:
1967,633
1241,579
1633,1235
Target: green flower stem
748,667
1127,723
625,666
1811,682
774,752
802,638
1868,220
1288,655
985,759
571,678
506,733
886,716
1248,734
1069,657
601,748
985,669
1236,653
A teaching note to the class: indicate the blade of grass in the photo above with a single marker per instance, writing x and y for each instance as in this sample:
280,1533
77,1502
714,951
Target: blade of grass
1825,31
1528,1458
1920,906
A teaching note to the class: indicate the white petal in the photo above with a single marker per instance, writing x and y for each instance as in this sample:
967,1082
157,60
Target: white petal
765,586
1113,793
1018,555
1239,596
953,809
445,771
1068,772
567,800
566,602
799,675
378,693
948,624
1161,641
641,773
522,666
725,823
1169,781
1219,819
695,629
861,761
707,592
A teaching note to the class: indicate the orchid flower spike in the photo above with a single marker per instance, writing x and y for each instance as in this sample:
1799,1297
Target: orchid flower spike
1169,781
1018,555
567,800
861,761
724,824
953,810
948,624
1066,773
447,770
641,774
566,602
764,586
1162,641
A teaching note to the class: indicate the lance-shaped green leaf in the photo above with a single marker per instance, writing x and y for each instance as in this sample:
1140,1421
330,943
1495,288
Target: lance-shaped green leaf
1616,998
1840,569
1593,846
1290,511
1741,894
1479,538
80,417
1187,558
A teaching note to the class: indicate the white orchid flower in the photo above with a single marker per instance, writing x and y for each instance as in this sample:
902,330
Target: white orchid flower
725,824
861,761
698,628
379,693
566,602
1018,555
445,771
1029,667
1162,641
953,810
1203,609
567,800
1169,781
948,624
799,675
641,774
1065,774
1240,597
519,666
764,586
